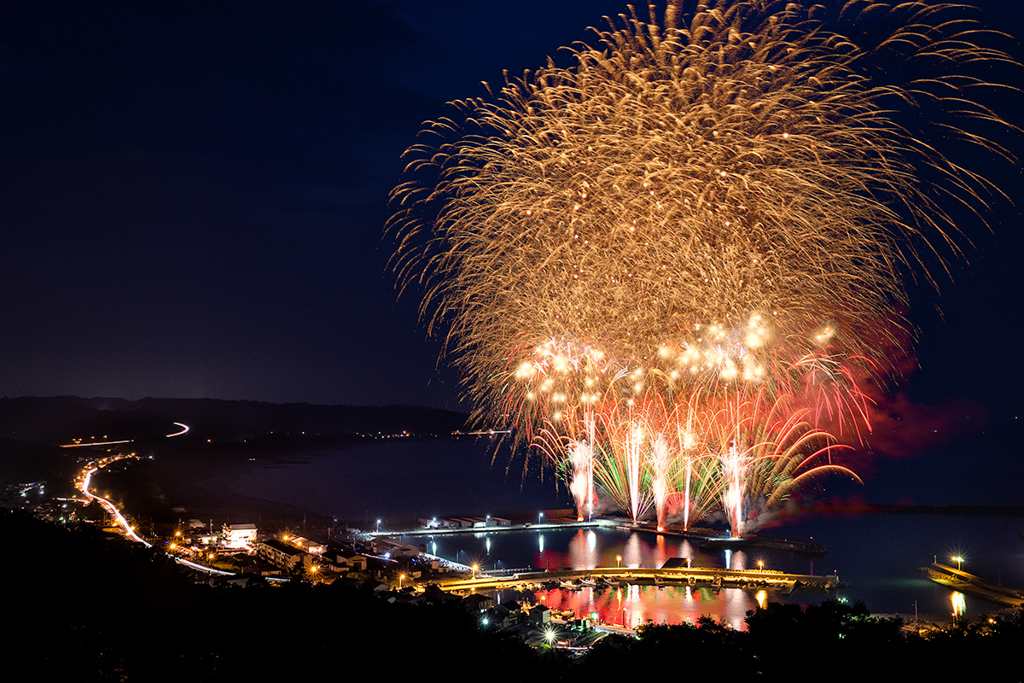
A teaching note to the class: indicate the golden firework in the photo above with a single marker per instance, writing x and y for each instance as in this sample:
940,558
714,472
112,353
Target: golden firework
696,204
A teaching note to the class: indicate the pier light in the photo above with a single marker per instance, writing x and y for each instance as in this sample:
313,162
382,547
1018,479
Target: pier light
475,568
378,525
959,561
618,561
760,565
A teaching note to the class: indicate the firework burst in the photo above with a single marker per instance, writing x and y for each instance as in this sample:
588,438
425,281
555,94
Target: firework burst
705,212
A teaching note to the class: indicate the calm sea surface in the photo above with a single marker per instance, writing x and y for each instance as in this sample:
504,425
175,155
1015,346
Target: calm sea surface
876,555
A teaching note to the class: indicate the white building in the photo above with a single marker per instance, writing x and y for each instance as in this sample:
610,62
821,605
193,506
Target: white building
239,535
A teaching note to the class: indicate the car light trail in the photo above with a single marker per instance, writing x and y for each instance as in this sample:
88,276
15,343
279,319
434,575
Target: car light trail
184,430
130,532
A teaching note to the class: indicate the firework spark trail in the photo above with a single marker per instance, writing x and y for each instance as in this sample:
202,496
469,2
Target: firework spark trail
661,462
581,480
700,209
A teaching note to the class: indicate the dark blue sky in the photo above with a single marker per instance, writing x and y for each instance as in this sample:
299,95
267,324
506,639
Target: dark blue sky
192,196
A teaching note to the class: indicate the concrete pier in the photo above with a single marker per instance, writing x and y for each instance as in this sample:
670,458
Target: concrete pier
724,578
973,585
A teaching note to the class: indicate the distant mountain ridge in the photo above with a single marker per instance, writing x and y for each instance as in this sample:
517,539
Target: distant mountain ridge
59,419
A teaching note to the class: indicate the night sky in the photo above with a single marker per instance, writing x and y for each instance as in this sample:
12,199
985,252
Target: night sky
192,198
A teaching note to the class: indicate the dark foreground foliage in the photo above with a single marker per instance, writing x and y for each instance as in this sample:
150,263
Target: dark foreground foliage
86,607
99,609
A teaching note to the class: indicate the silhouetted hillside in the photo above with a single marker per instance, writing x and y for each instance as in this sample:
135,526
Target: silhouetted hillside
59,419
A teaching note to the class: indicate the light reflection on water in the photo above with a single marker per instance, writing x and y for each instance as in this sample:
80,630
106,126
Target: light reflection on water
590,548
633,605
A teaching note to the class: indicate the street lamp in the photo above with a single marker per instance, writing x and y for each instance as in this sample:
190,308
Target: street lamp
378,526
618,561
959,561
540,517
475,567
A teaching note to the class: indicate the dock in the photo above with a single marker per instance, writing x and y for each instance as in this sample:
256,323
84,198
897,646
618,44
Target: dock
678,576
973,585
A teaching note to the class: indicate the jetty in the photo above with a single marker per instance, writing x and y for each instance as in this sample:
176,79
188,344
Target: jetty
973,585
670,574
